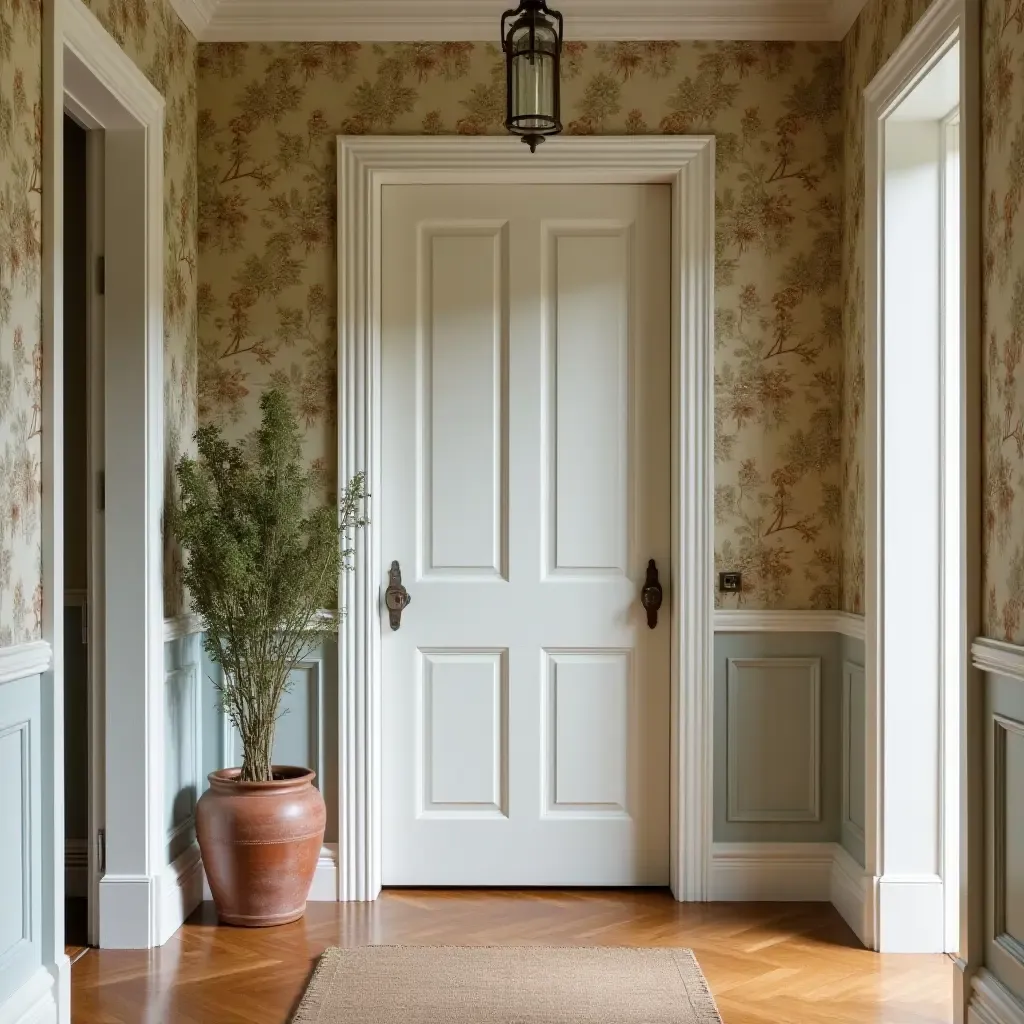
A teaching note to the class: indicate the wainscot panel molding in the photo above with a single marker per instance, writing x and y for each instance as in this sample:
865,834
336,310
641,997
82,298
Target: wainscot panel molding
182,626
779,701
999,658
784,872
993,1003
24,661
743,620
853,804
34,1003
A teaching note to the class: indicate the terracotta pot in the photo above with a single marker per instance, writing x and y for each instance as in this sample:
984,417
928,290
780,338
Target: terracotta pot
260,843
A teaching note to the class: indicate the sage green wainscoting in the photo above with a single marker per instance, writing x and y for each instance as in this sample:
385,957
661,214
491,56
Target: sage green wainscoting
778,753
183,725
1004,828
853,739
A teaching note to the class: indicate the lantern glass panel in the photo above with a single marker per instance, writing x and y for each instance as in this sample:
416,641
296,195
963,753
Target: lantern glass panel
533,77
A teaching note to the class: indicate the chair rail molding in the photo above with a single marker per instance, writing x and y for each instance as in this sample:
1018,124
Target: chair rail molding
24,660
998,658
754,620
181,626
687,163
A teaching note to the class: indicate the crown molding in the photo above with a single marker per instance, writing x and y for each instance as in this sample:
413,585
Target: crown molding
405,20
195,14
844,16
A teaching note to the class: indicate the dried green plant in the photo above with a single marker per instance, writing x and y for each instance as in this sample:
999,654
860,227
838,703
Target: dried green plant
260,565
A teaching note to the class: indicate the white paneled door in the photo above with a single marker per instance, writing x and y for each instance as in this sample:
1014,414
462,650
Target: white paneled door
526,465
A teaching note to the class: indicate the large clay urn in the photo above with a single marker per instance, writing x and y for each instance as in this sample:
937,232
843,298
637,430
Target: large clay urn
260,843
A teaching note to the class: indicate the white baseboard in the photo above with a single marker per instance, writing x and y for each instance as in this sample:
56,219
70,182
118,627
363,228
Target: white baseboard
851,894
34,1003
129,911
76,868
181,891
911,914
800,872
993,1003
325,881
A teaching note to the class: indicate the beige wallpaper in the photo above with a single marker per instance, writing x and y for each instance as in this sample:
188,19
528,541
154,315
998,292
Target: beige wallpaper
153,36
1003,297
267,126
21,600
881,27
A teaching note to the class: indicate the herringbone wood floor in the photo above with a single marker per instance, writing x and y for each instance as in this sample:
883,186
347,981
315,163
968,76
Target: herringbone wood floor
767,963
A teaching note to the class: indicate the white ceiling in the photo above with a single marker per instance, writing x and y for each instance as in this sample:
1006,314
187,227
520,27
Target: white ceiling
383,20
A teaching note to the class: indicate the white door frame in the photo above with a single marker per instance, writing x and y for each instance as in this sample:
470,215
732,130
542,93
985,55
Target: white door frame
88,74
687,163
945,23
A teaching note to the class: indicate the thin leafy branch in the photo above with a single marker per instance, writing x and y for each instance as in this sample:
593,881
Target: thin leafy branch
260,566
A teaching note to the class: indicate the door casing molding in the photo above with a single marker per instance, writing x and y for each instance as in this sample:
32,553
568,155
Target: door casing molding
945,24
687,163
88,74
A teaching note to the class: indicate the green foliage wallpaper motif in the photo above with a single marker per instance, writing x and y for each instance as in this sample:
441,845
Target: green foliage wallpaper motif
269,116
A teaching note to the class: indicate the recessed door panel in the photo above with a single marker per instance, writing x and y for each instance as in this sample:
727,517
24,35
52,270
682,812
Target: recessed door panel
588,732
588,296
463,328
463,722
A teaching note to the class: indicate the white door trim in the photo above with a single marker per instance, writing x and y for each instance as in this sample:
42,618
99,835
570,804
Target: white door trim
86,72
944,23
365,165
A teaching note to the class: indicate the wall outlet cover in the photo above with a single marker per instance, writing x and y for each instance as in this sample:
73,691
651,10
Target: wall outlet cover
730,582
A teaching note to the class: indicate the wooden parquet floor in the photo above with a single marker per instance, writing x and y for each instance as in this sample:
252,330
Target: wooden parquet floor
782,963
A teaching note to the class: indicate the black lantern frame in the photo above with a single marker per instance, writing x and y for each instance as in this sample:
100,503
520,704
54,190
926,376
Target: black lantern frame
528,18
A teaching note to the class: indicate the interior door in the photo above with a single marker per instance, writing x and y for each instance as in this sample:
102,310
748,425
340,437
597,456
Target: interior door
526,464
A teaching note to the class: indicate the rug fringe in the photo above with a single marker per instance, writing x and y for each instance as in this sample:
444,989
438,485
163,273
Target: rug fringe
320,984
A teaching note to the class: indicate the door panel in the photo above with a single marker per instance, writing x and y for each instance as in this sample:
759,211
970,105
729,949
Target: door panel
464,334
525,391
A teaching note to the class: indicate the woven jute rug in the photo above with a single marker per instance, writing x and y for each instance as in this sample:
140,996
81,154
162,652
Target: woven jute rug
506,985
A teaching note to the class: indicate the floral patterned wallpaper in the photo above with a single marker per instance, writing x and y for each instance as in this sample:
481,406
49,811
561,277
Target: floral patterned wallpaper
1003,303
153,36
267,298
881,27
21,601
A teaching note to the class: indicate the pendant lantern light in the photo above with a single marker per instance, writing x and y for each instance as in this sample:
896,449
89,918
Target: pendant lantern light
532,41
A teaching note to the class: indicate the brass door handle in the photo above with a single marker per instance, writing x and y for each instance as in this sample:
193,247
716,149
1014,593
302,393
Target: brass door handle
652,595
396,597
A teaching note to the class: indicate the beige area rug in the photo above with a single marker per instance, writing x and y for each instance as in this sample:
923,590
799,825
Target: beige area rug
506,985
